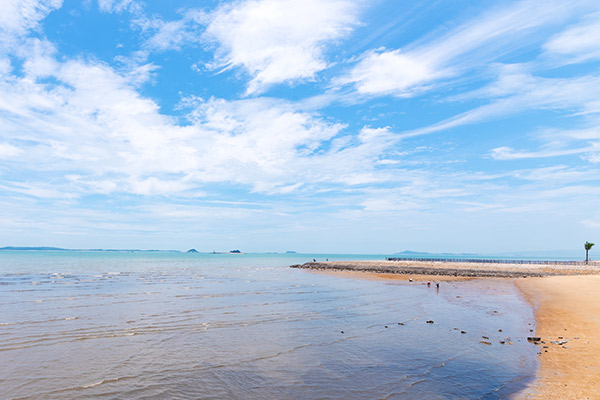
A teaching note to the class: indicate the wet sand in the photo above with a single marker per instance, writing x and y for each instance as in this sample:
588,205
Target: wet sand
374,276
566,303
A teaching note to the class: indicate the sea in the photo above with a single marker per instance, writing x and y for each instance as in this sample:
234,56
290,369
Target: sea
168,325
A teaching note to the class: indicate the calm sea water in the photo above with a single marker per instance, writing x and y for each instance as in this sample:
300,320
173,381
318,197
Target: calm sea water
85,325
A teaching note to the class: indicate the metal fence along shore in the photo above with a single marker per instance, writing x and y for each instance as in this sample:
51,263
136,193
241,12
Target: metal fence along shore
491,261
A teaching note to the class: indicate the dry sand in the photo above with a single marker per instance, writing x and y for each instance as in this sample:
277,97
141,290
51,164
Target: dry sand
567,307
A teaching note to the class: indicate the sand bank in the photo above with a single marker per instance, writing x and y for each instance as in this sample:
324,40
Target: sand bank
464,269
566,302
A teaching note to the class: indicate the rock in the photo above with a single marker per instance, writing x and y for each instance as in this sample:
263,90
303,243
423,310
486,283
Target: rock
485,337
533,339
499,330
485,342
463,332
511,342
502,342
400,323
386,326
342,331
429,322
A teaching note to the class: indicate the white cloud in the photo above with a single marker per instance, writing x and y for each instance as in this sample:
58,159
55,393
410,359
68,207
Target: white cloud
8,150
517,90
171,35
116,5
88,125
579,42
507,153
19,16
406,72
391,72
278,41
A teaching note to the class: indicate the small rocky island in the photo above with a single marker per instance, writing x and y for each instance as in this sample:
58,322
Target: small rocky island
192,251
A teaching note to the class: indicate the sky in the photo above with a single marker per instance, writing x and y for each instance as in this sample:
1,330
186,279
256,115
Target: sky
350,126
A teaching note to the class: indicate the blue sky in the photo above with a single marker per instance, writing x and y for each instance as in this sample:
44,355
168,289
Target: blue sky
308,125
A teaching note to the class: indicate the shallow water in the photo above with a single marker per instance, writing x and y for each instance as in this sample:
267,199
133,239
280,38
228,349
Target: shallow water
171,325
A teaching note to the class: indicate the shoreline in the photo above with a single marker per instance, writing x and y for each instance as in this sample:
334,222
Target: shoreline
566,305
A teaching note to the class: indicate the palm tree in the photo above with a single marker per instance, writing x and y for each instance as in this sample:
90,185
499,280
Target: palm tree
588,247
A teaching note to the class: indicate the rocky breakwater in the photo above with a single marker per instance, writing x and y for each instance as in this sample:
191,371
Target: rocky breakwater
449,268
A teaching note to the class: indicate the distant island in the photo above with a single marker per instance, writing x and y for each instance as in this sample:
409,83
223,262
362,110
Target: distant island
15,248
192,251
227,252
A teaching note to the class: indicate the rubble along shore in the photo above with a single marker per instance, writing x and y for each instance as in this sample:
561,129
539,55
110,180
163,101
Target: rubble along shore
449,268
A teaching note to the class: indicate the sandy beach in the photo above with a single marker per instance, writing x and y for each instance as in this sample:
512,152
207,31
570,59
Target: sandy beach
567,308
566,303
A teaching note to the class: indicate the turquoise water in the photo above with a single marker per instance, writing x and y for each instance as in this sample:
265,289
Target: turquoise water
80,325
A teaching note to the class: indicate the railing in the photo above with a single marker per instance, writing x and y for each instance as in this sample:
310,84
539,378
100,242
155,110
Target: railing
491,261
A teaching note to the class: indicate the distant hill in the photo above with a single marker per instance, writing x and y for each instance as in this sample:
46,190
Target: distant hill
410,253
32,248
192,251
15,248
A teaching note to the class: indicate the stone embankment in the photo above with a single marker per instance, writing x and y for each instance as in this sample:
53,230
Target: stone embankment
447,268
